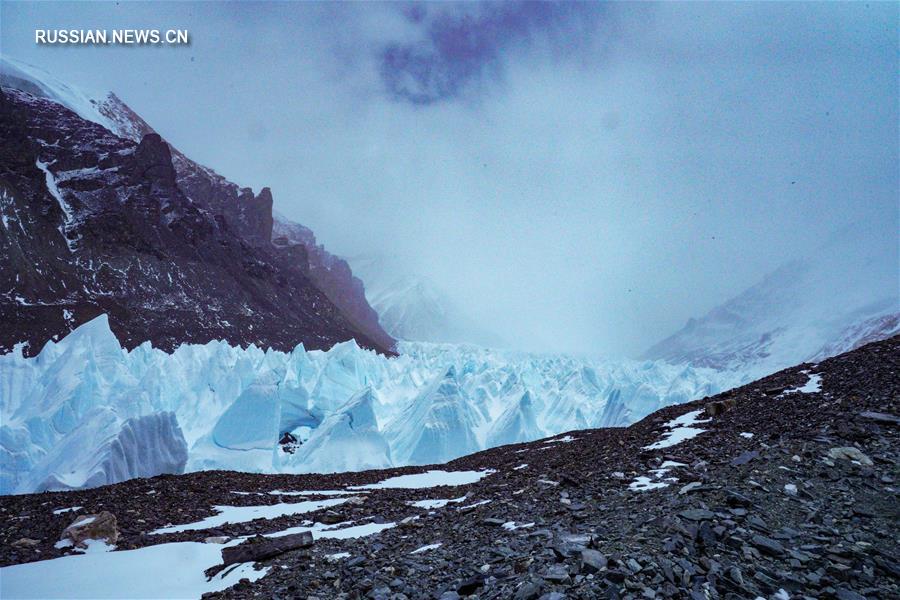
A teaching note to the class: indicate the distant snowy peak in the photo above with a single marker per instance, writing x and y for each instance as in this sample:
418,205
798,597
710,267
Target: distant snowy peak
842,296
411,307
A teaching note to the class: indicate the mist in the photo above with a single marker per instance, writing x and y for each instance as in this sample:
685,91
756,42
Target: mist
579,177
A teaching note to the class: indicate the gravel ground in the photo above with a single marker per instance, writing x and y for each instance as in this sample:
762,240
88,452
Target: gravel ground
806,507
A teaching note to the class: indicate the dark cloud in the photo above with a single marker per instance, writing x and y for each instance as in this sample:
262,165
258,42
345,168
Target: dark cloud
464,45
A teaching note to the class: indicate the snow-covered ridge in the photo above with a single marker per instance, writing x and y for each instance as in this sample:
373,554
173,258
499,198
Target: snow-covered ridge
95,107
86,412
844,295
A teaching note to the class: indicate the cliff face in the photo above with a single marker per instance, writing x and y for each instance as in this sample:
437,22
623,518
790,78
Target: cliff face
252,216
97,223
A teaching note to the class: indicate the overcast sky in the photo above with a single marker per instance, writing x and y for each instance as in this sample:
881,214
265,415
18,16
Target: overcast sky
580,177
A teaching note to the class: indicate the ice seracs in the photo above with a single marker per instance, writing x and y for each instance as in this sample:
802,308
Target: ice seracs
437,426
517,424
348,440
86,412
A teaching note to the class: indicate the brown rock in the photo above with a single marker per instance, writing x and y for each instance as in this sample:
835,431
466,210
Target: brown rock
101,526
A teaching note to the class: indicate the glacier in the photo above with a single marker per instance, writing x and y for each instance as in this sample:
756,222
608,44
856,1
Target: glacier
86,412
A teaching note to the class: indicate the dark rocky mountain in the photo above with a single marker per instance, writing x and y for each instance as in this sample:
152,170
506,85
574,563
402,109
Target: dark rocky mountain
253,216
113,219
785,488
94,222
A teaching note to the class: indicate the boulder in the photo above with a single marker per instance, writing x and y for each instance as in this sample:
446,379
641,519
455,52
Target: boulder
850,453
592,561
880,417
100,526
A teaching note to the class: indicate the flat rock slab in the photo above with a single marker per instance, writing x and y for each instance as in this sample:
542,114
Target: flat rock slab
745,457
880,417
257,549
696,514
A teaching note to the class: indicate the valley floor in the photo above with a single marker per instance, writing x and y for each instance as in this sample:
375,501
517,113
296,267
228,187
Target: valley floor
783,488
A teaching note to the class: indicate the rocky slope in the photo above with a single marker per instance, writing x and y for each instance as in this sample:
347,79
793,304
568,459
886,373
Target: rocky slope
783,488
109,218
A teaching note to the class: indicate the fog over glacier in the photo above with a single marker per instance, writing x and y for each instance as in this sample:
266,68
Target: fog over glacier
578,177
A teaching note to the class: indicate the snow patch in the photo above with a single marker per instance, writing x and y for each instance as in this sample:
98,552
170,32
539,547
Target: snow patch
512,526
163,571
474,504
68,215
426,548
60,511
340,531
680,430
813,385
242,514
437,503
429,479
644,483
565,440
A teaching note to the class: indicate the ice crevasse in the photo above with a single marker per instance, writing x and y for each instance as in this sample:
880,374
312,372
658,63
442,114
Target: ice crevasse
85,412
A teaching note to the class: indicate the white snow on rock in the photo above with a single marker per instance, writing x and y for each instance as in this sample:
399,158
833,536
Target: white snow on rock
426,548
305,493
162,571
813,385
36,81
566,439
680,430
68,215
85,412
437,503
60,511
644,483
657,478
242,514
512,525
340,531
429,479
